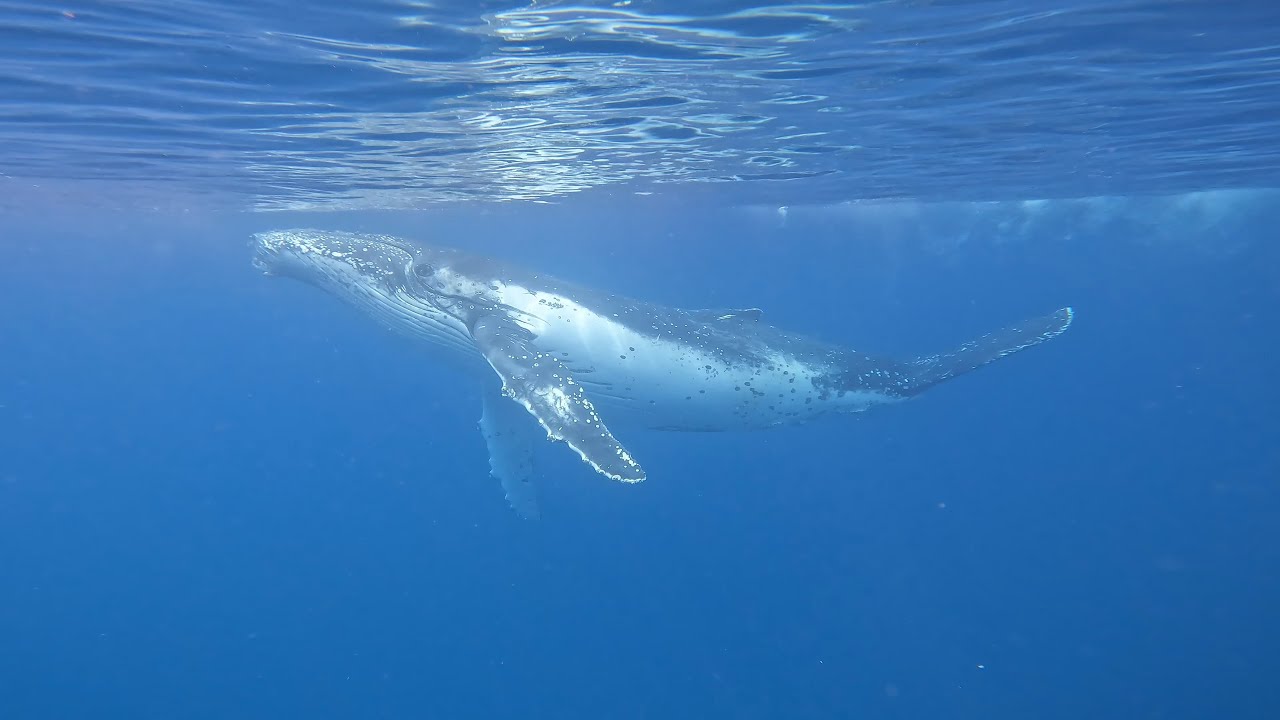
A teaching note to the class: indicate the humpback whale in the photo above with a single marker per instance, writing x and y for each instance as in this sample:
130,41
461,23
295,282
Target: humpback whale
577,362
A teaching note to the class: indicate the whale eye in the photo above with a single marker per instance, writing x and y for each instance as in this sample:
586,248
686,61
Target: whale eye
423,271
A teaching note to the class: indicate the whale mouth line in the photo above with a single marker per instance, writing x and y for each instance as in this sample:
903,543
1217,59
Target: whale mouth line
259,263
266,252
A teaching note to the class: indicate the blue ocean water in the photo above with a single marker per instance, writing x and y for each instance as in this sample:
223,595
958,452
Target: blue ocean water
224,495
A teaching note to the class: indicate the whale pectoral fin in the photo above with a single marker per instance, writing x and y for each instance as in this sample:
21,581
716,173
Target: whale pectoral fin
509,433
545,387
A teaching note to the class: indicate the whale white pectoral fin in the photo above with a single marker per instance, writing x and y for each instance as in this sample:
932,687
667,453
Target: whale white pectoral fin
545,387
509,433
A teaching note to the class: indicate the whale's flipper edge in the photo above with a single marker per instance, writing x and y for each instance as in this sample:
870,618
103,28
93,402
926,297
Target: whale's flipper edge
541,383
926,372
509,435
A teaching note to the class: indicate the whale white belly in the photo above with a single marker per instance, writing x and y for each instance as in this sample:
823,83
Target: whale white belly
669,383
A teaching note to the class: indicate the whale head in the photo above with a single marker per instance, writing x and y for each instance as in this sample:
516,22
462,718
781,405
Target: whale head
322,258
373,272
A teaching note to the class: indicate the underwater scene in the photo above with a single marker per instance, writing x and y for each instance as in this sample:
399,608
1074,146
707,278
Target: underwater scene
639,360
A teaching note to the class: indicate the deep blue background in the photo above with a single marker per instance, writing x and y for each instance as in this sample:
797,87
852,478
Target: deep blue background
228,496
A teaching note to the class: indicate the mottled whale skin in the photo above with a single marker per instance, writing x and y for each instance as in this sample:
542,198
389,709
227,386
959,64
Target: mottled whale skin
572,357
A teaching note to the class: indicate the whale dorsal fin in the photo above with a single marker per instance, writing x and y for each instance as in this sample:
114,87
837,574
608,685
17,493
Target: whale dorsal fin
727,315
546,388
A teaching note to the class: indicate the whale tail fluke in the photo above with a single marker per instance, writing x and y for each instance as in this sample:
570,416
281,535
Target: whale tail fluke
928,371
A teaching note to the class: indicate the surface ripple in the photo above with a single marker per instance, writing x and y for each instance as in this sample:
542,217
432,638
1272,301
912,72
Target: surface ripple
385,104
